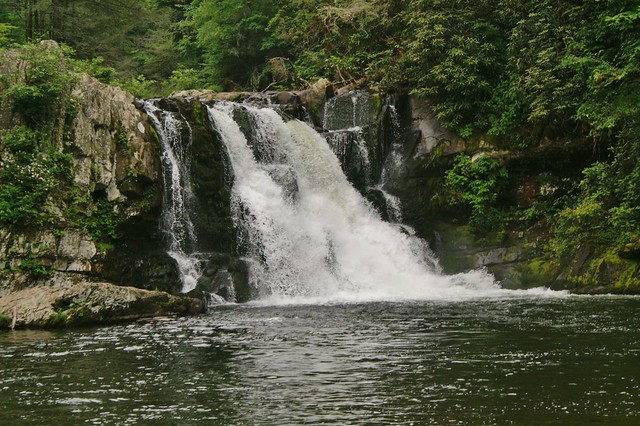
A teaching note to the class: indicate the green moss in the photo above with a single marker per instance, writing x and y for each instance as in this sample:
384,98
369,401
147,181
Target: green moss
539,271
199,113
608,272
5,321
377,103
155,138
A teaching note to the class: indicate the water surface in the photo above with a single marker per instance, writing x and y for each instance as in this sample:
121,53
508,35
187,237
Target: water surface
572,360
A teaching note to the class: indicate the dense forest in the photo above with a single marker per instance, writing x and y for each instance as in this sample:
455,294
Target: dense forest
520,72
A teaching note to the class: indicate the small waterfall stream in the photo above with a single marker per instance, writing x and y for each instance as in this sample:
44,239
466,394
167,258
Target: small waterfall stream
177,214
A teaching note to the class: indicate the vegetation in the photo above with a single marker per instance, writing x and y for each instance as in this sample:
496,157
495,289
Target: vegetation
477,184
5,321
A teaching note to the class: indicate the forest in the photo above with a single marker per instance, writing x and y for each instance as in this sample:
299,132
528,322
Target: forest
517,71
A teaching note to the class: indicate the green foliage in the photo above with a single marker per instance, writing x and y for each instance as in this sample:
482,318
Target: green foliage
183,79
139,86
343,40
233,38
68,314
454,59
5,33
60,318
102,221
606,210
49,77
122,142
34,267
29,175
5,321
477,184
95,67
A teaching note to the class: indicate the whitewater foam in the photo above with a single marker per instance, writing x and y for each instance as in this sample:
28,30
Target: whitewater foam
326,243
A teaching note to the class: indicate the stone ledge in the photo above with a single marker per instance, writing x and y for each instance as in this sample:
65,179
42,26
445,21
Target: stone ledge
83,303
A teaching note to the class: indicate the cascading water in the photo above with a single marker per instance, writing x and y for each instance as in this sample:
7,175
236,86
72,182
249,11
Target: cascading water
317,239
393,162
177,220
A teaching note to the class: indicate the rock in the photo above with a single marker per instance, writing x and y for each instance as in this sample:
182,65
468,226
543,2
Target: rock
107,142
79,303
497,256
317,92
431,133
208,95
74,245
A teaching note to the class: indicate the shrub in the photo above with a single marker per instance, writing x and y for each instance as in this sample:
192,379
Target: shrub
476,184
29,176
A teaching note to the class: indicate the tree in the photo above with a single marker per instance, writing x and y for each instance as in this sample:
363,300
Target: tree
233,37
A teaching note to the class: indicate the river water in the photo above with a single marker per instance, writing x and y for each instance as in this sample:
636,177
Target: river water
524,360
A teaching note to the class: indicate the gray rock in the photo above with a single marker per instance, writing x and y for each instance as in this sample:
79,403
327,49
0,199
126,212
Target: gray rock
75,245
431,132
497,256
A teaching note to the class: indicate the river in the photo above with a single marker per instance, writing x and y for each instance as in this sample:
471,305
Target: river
520,360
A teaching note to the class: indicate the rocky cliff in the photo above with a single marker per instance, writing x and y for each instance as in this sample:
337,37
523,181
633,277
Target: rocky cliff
80,176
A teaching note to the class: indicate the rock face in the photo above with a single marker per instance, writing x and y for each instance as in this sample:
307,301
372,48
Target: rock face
116,167
111,142
99,227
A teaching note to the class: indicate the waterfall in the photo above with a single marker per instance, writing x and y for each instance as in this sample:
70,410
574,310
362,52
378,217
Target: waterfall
392,163
309,234
178,199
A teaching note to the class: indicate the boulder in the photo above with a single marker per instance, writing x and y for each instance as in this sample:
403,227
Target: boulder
69,303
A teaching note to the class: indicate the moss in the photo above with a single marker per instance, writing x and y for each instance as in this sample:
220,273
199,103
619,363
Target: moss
607,272
376,100
199,113
5,321
539,271
155,138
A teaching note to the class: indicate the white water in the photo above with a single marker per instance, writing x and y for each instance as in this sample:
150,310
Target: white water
326,243
178,202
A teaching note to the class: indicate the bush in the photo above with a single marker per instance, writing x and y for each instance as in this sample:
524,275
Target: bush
476,184
29,176
35,268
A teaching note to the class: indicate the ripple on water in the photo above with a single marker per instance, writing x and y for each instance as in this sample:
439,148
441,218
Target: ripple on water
487,362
